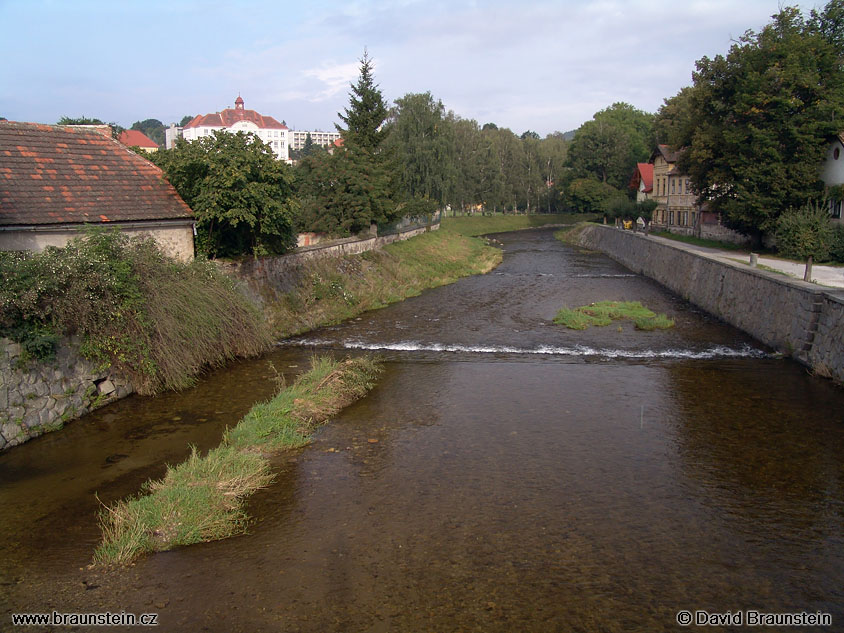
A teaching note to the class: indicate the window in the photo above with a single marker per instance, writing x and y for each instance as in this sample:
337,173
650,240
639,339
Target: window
671,217
687,185
694,217
835,208
673,182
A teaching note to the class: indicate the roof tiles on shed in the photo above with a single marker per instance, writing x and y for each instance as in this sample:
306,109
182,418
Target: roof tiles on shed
97,178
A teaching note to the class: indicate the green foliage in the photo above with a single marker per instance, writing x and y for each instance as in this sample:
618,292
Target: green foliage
674,123
806,232
603,313
423,147
152,128
158,320
345,192
836,250
241,195
186,119
608,147
587,195
763,115
367,111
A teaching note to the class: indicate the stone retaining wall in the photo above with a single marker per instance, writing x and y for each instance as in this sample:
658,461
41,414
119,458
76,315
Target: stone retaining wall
36,397
279,274
803,320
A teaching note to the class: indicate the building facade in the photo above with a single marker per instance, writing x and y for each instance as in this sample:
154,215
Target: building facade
676,209
325,139
832,174
234,120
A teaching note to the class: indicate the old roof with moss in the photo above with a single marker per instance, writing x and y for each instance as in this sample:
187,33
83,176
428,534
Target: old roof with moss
66,175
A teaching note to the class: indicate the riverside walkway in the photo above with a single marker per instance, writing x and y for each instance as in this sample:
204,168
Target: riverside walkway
831,276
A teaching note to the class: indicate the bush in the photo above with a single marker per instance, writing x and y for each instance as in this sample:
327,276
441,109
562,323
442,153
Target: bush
158,320
805,232
836,251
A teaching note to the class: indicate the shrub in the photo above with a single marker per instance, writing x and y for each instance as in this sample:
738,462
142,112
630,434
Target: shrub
159,320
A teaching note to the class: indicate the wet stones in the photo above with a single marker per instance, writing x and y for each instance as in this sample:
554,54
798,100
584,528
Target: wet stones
36,397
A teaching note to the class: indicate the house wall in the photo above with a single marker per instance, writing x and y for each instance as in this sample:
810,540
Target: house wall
807,322
176,241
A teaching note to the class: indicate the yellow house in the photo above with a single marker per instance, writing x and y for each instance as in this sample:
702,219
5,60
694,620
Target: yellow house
677,211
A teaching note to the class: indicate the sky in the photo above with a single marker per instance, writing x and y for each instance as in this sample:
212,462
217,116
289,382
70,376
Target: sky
539,65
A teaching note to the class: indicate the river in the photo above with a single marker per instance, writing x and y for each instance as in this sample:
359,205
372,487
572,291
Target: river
505,474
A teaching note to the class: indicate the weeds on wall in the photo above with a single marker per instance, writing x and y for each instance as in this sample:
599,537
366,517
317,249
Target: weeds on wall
158,320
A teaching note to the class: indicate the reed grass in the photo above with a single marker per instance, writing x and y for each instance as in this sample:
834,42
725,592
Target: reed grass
603,313
202,499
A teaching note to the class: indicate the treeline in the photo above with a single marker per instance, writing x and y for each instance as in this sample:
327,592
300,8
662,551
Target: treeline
753,127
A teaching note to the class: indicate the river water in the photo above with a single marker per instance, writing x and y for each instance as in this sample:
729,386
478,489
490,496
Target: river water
506,474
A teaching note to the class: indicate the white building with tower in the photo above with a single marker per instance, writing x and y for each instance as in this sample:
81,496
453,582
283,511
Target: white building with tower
237,119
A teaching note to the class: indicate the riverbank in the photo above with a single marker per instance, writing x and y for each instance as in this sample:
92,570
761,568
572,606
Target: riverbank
333,289
798,319
474,225
202,499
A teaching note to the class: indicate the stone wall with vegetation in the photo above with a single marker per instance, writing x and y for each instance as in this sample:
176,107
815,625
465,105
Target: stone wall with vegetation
265,279
802,320
36,397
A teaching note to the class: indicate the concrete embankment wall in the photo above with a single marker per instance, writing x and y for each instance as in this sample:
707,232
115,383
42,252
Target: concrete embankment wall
803,320
275,275
36,397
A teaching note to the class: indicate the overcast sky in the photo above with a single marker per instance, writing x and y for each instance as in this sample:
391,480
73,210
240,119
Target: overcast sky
526,64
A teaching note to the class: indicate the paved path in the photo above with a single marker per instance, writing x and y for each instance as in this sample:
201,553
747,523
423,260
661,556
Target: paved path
831,276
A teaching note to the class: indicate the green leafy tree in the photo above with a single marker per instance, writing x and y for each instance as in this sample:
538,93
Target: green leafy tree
608,147
241,195
152,128
116,129
806,233
423,146
674,123
763,115
186,119
587,195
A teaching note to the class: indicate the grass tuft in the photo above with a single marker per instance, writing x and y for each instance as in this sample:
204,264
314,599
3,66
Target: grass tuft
605,312
202,499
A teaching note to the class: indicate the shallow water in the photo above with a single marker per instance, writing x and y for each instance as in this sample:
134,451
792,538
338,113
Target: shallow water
505,474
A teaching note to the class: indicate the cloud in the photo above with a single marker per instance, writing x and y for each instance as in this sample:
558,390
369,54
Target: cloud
334,77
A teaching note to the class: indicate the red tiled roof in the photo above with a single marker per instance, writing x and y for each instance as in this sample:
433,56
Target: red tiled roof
62,175
229,117
137,138
646,173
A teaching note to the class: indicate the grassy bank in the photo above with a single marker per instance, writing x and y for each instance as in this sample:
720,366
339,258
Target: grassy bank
331,290
483,224
603,313
158,320
699,241
571,235
202,499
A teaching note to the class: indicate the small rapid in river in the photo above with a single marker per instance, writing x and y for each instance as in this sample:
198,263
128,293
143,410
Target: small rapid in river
506,474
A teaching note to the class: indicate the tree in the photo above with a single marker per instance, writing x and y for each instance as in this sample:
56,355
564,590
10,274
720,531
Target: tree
423,146
186,119
587,195
347,191
763,115
608,147
241,195
806,233
674,123
152,128
364,118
